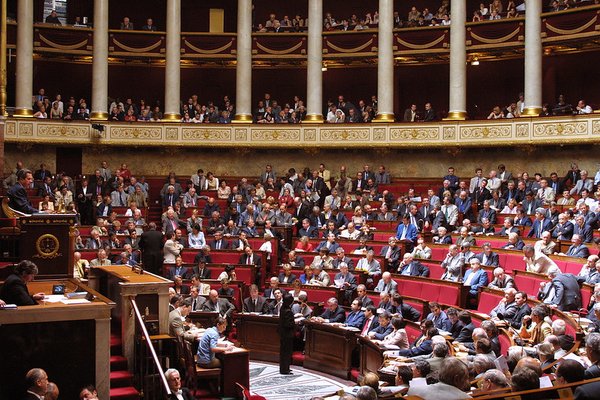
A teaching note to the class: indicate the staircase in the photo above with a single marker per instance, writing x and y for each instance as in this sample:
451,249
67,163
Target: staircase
121,380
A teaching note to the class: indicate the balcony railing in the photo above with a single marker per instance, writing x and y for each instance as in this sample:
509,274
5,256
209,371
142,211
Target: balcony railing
508,132
558,27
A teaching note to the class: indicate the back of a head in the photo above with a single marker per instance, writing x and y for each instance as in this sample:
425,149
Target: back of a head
525,378
366,393
570,371
455,373
531,363
370,379
496,377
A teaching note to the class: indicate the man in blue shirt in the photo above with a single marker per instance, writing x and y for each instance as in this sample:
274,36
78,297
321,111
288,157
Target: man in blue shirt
209,345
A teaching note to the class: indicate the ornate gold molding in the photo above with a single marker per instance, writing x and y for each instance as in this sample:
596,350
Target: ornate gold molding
580,129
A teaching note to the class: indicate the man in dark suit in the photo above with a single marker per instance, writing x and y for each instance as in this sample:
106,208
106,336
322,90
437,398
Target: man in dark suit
384,328
563,291
104,209
151,245
391,254
564,229
255,303
530,203
286,276
174,381
249,258
582,229
219,243
17,194
84,197
522,310
14,290
308,230
430,114
45,188
333,312
345,281
425,347
222,306
36,380
466,333
577,249
410,266
481,194
202,270
487,257
540,224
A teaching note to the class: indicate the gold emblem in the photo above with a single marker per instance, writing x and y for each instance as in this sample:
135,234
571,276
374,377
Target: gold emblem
47,246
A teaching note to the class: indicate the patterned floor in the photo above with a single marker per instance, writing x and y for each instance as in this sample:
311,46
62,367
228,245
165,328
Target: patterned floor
304,384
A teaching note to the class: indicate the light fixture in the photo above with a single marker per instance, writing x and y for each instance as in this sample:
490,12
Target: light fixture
475,62
324,68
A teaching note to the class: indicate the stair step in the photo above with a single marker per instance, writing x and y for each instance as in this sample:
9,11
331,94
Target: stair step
115,345
119,379
124,393
118,363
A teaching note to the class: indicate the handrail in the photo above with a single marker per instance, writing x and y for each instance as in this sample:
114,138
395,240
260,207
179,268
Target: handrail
145,334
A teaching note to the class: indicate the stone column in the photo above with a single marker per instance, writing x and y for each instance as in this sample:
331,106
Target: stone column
458,62
314,73
173,62
103,357
100,62
3,78
385,63
533,58
24,65
243,70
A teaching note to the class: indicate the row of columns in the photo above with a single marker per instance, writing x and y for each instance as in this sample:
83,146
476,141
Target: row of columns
314,103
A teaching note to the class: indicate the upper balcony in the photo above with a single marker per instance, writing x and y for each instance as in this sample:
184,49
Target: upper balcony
570,130
562,32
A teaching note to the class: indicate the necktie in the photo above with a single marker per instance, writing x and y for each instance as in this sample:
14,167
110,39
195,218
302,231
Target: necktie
249,260
404,229
366,327
170,199
194,305
121,199
254,304
218,245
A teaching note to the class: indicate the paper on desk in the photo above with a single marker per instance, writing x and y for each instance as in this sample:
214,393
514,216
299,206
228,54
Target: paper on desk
53,298
352,329
339,283
544,382
74,301
391,347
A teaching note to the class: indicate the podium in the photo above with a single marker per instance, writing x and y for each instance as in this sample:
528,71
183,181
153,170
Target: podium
48,241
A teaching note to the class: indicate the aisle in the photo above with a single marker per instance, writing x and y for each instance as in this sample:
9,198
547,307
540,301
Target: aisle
302,385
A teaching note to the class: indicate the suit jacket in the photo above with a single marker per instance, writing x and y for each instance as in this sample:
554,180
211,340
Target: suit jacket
441,322
479,280
391,288
530,206
171,250
261,305
223,307
169,200
479,196
349,278
408,312
225,244
185,273
101,207
585,232
394,256
539,226
356,319
563,231
338,315
19,200
291,278
411,232
489,214
311,232
14,291
567,292
167,226
588,391
332,247
426,347
256,259
466,334
580,251
176,326
416,269
366,301
516,320
382,331
438,390
493,260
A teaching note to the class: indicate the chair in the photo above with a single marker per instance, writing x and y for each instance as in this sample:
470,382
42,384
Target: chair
193,372
247,395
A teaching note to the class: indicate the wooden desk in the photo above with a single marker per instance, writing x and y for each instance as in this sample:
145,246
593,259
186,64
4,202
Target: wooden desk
204,318
329,349
235,368
258,334
371,355
121,284
52,336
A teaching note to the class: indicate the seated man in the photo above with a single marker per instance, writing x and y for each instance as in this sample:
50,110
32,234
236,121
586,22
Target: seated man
403,310
545,245
386,284
384,328
287,276
255,303
177,321
356,318
174,380
487,257
475,278
369,264
421,347
411,267
215,304
514,242
345,281
320,277
209,345
522,309
333,312
507,307
534,326
391,253
439,317
453,264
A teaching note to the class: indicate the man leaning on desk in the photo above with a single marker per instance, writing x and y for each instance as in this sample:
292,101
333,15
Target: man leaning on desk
14,290
209,345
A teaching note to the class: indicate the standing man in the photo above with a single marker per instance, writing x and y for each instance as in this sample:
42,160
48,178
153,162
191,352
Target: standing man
18,195
151,246
286,334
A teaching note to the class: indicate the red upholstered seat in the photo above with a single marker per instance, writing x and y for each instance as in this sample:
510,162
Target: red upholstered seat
435,270
412,289
504,344
449,295
438,253
430,291
487,302
524,284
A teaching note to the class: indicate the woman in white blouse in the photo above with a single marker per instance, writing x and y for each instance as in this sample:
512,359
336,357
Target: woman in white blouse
398,337
196,238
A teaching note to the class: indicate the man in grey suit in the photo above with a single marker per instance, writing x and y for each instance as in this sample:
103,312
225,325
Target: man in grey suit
176,319
215,304
255,303
562,291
